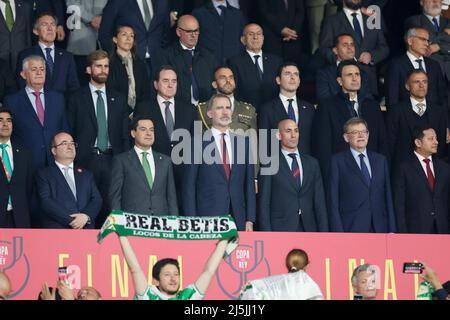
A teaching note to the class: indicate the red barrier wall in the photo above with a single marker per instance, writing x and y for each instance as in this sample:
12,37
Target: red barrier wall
31,257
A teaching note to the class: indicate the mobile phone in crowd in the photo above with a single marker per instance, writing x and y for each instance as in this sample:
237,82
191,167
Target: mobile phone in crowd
413,267
62,275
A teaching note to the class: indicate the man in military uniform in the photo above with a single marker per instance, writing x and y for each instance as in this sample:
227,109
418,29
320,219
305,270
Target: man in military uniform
244,114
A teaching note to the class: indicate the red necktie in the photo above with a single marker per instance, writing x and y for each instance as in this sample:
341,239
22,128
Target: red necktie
225,160
39,107
430,175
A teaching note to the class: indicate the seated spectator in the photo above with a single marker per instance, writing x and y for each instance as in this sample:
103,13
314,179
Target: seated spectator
60,65
68,194
127,72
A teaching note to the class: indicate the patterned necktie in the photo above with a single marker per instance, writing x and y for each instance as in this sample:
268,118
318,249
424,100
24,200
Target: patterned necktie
225,159
169,119
295,169
430,175
353,111
102,130
147,14
9,17
49,60
357,27
6,165
291,112
421,109
364,169
420,62
436,24
39,107
147,169
70,181
259,72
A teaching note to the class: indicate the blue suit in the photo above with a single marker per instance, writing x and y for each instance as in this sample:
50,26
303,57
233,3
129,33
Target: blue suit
29,132
127,12
208,192
58,202
355,206
64,77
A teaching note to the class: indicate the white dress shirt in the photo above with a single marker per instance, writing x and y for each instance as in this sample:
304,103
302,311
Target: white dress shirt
290,160
424,165
150,158
413,59
260,62
69,172
32,97
285,102
218,139
217,4
13,8
349,12
162,107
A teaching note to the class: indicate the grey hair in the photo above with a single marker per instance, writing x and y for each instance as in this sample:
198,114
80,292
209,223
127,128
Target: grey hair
45,14
32,58
412,32
210,102
365,267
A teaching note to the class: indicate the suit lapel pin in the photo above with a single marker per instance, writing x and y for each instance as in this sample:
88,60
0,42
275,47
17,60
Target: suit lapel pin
160,158
79,170
60,53
112,99
304,107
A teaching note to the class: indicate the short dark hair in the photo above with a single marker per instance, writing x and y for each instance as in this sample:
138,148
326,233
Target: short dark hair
413,72
134,123
354,121
161,264
221,67
339,36
52,141
165,67
114,45
418,133
344,64
285,65
44,14
95,56
7,110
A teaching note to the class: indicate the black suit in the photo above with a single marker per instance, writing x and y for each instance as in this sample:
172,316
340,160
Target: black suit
400,124
82,117
7,82
204,64
249,87
329,122
399,69
273,112
274,17
373,42
118,78
418,208
19,188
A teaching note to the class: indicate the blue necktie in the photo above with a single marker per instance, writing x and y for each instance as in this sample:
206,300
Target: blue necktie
222,11
364,170
258,69
295,169
291,113
49,60
436,24
357,27
195,93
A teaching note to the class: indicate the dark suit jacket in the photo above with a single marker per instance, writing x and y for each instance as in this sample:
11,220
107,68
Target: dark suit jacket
327,85
248,86
399,69
354,206
330,118
127,12
204,65
185,115
208,192
400,124
416,205
130,191
55,7
271,113
58,202
118,78
7,81
29,132
280,200
220,36
19,188
64,78
83,120
11,43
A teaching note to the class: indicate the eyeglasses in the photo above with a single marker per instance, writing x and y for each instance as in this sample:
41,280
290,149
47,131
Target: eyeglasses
66,144
354,133
423,39
195,31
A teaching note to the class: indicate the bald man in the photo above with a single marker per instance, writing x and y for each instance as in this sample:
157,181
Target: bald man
292,200
5,286
195,65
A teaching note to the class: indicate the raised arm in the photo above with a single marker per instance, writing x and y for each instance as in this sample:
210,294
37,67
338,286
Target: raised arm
211,266
139,279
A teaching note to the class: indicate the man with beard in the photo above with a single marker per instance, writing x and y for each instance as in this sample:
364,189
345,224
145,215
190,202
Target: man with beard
243,114
99,119
370,43
222,182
